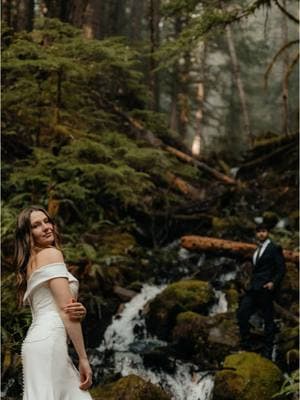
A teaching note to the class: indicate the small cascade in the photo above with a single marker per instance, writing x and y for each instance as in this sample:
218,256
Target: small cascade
126,338
129,324
221,306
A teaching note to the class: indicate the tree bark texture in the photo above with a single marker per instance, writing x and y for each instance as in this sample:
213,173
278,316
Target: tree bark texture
184,187
92,19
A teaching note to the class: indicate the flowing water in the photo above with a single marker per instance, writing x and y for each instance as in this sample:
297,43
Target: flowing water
127,337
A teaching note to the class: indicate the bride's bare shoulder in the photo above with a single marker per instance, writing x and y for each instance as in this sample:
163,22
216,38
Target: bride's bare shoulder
49,255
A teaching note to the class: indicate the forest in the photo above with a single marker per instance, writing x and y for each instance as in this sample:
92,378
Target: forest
157,134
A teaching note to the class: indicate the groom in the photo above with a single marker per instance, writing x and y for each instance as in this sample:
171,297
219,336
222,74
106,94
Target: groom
268,271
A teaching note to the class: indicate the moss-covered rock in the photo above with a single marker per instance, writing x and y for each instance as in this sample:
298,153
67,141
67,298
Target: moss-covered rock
117,242
288,339
206,340
247,376
186,295
130,387
289,289
232,297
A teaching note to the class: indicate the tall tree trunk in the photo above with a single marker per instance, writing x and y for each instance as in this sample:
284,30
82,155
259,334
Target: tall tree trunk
53,8
85,14
92,19
174,120
74,12
174,93
239,84
115,19
154,18
179,90
20,14
200,98
136,17
183,95
285,88
6,11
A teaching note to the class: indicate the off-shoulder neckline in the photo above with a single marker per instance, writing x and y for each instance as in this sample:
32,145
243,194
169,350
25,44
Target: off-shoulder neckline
42,267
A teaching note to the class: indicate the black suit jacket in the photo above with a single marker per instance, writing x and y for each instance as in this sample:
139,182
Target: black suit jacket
270,267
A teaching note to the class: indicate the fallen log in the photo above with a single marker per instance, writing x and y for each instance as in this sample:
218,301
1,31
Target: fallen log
156,142
205,243
201,165
124,294
184,187
267,157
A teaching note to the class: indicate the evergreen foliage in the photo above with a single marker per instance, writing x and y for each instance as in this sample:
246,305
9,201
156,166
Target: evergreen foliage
58,88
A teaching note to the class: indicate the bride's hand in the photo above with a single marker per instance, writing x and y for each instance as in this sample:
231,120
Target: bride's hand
85,374
76,310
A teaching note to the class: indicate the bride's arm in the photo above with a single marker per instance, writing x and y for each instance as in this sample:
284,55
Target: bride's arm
62,295
59,287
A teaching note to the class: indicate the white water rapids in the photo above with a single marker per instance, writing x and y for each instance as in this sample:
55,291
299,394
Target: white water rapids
120,337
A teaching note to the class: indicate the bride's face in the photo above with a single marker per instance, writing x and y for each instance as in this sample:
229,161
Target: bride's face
41,229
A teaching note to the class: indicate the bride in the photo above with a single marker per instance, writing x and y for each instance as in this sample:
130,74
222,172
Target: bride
51,291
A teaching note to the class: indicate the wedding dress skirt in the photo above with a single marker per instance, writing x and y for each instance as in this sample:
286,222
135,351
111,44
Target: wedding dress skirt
48,371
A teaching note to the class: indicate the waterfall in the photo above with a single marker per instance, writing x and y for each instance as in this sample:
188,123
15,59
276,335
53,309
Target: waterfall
120,334
221,306
126,337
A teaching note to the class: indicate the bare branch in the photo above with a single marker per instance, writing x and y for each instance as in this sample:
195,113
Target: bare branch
285,11
290,68
279,52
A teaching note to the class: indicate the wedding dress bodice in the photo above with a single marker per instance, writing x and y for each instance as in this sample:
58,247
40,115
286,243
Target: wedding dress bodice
45,313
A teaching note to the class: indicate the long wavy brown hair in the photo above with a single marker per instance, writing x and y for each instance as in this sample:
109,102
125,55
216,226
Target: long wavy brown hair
24,246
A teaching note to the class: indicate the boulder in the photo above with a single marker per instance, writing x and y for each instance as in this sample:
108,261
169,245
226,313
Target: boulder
130,387
289,288
185,295
206,340
247,376
288,345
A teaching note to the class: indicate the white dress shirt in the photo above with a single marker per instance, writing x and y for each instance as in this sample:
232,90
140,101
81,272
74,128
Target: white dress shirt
260,249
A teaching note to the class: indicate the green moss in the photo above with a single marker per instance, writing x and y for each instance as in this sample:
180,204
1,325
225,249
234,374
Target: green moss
187,317
187,295
232,222
291,278
232,297
130,387
288,339
247,376
117,243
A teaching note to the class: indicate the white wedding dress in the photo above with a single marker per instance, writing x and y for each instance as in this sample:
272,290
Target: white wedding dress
48,371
